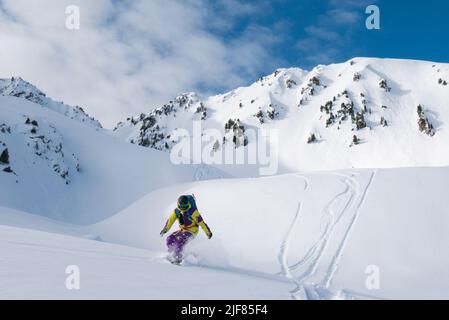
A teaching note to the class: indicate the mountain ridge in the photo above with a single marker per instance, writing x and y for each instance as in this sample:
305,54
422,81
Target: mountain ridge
19,88
366,100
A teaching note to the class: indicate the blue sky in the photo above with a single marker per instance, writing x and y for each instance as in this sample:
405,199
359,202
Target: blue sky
409,29
130,56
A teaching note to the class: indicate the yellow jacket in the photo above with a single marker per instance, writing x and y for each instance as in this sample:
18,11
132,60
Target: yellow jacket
188,221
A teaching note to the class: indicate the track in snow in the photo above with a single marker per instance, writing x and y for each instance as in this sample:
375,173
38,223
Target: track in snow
337,257
313,257
284,249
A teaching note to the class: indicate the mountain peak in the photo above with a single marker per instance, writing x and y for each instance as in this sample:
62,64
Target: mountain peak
351,109
17,87
20,88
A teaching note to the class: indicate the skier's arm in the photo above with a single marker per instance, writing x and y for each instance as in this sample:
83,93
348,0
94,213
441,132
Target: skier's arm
203,225
169,223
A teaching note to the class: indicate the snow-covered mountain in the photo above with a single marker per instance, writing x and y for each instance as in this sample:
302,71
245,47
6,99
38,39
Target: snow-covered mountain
73,193
362,113
17,87
59,167
321,235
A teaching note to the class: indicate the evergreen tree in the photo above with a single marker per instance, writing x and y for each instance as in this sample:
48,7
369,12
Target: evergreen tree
360,121
311,139
420,111
4,157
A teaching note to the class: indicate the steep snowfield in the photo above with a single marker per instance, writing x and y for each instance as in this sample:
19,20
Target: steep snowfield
17,87
322,231
293,102
34,265
67,170
306,236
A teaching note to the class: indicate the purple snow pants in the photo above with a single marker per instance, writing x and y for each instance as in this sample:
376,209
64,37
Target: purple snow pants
176,242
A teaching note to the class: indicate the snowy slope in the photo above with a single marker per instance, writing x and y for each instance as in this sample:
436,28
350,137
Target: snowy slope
17,87
322,231
60,168
112,272
19,219
296,236
375,99
306,234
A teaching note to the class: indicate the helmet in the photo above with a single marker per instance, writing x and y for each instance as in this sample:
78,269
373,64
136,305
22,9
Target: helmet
183,203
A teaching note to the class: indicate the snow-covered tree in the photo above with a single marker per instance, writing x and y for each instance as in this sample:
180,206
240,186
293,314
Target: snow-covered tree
355,140
4,157
272,112
384,85
311,138
360,121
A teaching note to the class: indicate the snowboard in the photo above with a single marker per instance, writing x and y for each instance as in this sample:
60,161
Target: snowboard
174,260
189,259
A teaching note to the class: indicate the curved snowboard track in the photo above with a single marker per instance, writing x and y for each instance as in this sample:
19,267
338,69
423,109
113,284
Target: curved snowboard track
337,257
284,249
314,254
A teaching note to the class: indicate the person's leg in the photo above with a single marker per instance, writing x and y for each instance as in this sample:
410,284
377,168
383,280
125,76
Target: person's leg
182,238
171,241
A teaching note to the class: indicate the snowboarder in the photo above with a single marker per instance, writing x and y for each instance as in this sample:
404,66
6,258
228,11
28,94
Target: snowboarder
189,219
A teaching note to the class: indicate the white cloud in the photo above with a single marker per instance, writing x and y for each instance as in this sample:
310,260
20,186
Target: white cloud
322,33
343,16
130,56
330,36
351,3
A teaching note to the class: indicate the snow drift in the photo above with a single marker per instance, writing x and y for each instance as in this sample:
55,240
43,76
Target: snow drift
322,230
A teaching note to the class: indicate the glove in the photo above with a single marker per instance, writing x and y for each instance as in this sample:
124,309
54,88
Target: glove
210,235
